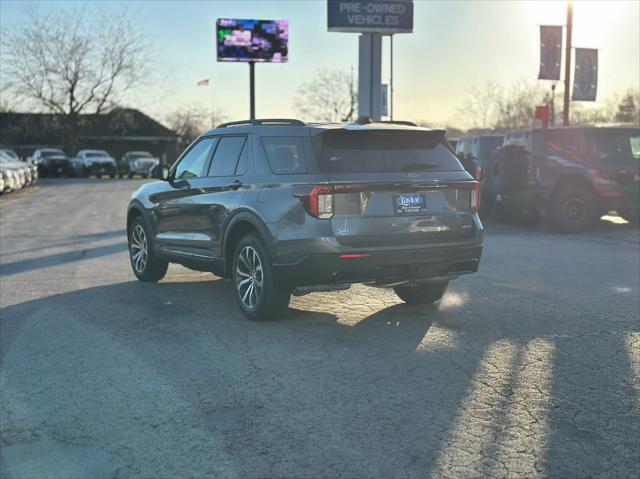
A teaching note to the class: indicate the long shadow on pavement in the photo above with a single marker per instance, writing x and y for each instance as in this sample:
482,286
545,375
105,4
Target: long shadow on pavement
167,380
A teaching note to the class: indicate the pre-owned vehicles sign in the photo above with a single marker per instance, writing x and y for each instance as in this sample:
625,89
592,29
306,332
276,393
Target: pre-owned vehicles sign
370,16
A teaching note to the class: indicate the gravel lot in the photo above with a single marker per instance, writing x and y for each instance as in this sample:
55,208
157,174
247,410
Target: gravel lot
529,368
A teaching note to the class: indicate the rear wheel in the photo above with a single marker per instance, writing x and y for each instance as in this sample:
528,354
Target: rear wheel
259,294
572,209
144,262
422,293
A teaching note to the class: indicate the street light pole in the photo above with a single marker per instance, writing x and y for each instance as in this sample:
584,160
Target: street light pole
567,65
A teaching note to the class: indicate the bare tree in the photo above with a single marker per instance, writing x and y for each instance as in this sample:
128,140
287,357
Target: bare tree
330,96
71,63
516,104
190,121
502,107
628,108
478,109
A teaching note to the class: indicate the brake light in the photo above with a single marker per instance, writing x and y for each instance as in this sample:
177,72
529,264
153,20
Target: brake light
475,197
478,173
317,200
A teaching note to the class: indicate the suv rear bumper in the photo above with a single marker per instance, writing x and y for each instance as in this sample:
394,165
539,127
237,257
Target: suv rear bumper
382,267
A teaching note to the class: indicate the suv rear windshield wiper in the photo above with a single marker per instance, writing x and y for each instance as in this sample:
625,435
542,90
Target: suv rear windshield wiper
418,166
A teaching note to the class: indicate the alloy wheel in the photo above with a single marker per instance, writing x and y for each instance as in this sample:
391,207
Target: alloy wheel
139,248
249,277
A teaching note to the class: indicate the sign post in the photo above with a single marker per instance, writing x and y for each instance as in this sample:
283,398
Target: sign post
372,19
252,90
252,41
369,76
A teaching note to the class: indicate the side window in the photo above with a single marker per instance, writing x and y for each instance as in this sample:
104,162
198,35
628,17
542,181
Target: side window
192,164
226,156
243,162
284,154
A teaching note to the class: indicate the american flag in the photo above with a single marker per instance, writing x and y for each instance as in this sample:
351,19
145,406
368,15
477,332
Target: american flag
203,83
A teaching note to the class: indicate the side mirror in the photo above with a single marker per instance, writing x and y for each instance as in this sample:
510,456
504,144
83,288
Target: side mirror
160,172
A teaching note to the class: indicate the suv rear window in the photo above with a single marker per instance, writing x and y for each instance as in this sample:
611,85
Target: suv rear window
385,152
284,154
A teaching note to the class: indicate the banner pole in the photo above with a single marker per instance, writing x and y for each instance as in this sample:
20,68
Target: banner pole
567,66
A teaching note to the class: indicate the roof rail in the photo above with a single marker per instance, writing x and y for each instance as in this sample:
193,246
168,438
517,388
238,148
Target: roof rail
264,122
399,122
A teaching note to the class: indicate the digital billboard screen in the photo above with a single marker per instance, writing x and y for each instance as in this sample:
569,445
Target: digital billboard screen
252,40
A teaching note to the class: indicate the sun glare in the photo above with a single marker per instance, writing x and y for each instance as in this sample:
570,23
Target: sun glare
592,20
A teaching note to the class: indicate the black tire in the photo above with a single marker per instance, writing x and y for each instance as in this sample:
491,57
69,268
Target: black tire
632,215
85,173
129,173
572,209
154,268
422,293
112,175
263,302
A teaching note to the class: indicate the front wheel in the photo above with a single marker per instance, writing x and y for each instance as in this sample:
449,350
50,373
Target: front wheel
422,293
259,294
144,262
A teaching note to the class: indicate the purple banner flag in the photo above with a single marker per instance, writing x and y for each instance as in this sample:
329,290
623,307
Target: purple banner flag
550,52
585,78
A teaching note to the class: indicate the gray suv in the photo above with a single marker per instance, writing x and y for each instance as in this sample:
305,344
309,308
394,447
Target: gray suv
280,206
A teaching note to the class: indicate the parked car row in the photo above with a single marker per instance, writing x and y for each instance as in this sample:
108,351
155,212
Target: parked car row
15,174
55,162
568,176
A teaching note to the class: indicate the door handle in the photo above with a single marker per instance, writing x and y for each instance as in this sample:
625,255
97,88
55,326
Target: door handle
235,185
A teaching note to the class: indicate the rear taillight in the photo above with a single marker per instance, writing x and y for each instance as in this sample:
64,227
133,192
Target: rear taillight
475,198
478,173
317,200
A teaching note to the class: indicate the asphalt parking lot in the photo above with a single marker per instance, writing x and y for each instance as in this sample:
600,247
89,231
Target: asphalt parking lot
529,368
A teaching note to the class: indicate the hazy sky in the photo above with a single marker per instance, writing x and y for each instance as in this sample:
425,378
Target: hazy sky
455,45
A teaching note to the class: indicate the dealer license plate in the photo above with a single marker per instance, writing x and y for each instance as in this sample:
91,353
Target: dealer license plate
409,203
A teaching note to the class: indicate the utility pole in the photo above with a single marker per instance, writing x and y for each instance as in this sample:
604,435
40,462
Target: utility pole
567,65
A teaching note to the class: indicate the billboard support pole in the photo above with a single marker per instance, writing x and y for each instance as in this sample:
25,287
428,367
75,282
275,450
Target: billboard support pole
391,81
567,66
252,90
369,76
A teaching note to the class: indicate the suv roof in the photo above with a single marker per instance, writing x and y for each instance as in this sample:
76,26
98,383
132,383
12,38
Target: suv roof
295,126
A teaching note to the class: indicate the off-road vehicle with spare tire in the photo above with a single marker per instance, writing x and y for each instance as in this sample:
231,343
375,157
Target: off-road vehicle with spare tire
571,176
280,206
